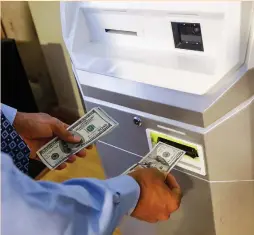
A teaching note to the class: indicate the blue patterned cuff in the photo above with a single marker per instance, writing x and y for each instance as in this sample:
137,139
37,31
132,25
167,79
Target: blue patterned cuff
9,112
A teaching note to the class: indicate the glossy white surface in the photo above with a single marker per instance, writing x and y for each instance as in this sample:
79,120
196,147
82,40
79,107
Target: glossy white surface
148,55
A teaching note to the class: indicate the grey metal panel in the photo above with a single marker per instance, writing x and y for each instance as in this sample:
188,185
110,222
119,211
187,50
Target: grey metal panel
195,216
233,208
127,135
238,93
115,161
196,212
133,138
159,109
230,147
132,226
227,94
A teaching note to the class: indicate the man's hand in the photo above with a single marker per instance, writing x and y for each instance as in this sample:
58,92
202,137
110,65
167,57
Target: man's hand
39,128
160,195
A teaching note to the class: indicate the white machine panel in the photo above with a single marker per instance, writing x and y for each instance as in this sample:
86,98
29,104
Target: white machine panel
177,45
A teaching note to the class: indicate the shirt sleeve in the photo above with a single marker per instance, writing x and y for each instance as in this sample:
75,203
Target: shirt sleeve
77,206
9,112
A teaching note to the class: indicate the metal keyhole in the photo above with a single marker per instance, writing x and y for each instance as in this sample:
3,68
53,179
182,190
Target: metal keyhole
137,121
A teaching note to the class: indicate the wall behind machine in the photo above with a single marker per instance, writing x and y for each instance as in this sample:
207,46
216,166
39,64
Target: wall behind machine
17,24
46,16
36,28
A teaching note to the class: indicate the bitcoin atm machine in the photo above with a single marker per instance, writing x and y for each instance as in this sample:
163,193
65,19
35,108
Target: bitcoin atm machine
180,73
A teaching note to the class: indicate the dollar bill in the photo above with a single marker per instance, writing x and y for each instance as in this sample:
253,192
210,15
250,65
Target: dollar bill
92,126
163,157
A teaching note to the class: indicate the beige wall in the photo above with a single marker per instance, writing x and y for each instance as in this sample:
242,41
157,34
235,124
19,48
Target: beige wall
46,16
250,55
18,24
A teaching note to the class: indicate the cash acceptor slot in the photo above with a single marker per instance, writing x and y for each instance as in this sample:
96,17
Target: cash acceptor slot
193,160
190,151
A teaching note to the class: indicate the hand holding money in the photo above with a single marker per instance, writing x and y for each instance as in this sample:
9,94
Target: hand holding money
89,128
37,129
159,196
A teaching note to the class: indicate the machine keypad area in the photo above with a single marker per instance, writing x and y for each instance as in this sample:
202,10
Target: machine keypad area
187,36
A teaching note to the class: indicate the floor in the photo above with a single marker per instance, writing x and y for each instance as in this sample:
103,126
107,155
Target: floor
90,166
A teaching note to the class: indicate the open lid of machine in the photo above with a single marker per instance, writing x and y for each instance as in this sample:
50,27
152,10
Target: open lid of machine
182,46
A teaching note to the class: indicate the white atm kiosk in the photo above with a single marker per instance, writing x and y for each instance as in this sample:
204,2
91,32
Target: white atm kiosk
181,73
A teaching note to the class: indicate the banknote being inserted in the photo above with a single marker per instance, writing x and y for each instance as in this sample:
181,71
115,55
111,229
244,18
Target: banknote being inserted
163,157
92,126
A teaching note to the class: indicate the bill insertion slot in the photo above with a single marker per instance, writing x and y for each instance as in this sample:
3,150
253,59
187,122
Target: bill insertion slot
123,32
193,160
189,150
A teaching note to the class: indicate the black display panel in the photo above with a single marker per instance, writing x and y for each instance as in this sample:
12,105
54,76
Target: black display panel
187,36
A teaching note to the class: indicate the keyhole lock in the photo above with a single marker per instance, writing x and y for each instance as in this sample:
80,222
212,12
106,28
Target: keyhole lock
137,121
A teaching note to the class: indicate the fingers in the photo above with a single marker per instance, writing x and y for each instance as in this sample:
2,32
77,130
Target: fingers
171,182
89,147
59,129
175,193
61,167
174,186
71,159
65,125
81,153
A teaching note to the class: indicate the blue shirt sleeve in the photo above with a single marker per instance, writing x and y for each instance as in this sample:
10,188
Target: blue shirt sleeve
76,207
9,112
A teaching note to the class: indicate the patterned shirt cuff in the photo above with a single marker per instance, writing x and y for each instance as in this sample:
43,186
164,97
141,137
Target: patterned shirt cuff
9,112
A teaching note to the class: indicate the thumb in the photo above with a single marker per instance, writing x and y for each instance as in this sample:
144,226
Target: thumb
60,130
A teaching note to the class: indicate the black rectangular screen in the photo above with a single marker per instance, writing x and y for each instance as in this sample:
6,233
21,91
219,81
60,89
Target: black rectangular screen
187,36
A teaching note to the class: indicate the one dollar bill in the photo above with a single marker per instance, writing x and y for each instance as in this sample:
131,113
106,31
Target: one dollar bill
92,126
163,157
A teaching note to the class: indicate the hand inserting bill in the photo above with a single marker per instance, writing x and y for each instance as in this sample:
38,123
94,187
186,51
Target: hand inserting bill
160,195
162,157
